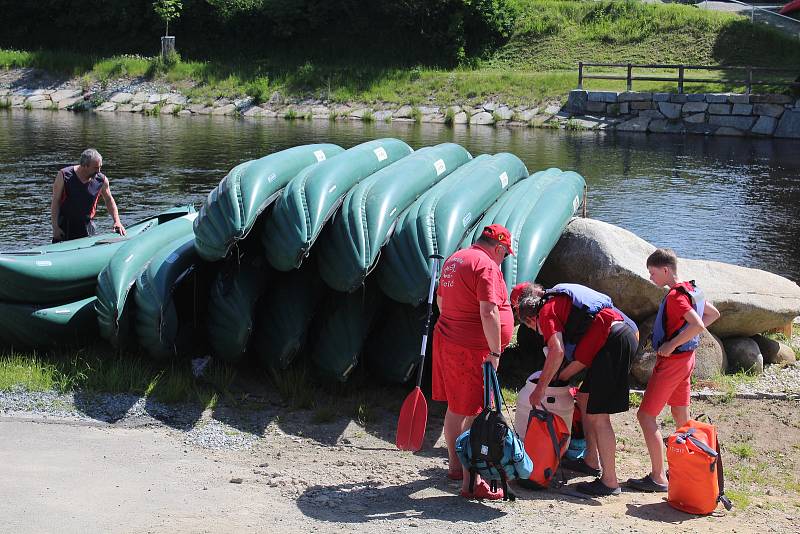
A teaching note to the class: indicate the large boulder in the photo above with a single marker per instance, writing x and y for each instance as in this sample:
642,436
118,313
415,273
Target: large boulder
710,359
773,351
612,260
743,355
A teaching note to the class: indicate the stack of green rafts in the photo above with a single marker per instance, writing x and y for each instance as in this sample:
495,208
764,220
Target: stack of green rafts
313,249
47,293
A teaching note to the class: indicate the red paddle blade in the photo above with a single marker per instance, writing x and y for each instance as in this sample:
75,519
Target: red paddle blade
413,418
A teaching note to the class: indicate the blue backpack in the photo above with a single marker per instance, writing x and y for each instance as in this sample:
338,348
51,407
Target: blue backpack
490,447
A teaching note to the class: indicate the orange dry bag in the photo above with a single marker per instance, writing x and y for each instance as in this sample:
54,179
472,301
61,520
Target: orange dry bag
696,482
546,442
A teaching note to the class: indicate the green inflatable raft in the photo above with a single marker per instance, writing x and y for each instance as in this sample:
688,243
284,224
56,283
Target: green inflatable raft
344,324
119,276
42,326
231,209
352,246
391,352
68,271
313,196
157,320
283,320
232,305
536,210
437,222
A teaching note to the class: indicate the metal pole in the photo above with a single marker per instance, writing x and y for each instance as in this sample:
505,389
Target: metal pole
630,77
752,11
580,74
680,79
585,193
749,80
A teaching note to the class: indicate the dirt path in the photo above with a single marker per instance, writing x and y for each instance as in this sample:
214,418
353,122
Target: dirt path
66,474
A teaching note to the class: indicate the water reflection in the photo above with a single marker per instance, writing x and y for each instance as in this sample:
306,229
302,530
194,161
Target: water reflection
730,199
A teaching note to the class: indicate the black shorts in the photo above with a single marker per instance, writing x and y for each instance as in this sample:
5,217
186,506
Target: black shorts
606,380
76,229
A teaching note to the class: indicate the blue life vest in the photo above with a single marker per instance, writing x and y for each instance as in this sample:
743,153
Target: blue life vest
659,336
586,302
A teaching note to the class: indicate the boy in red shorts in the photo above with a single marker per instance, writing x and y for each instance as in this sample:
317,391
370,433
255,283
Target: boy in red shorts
682,316
475,325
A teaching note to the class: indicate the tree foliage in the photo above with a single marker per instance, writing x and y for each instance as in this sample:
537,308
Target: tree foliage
388,31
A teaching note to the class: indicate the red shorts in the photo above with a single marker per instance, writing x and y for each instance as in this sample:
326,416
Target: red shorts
457,376
669,384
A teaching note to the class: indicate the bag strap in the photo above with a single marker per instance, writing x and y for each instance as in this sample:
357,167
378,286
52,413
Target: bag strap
726,502
491,386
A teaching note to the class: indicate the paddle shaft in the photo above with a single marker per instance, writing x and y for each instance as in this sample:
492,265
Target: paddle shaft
435,259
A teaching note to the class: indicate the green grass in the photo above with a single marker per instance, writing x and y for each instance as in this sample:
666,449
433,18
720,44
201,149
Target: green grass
742,450
510,396
635,399
537,64
91,370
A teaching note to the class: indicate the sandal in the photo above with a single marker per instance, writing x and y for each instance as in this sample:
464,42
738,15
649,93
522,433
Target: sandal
596,488
580,466
455,475
647,484
482,491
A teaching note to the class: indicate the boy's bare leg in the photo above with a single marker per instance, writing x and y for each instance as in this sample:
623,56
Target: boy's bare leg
606,447
654,442
680,414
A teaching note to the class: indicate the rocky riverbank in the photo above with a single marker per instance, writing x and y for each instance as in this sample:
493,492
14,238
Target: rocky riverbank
23,88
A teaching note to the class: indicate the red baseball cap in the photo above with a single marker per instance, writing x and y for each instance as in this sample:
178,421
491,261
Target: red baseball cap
499,233
516,293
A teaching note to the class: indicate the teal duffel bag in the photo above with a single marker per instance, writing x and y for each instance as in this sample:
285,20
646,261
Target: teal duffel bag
491,448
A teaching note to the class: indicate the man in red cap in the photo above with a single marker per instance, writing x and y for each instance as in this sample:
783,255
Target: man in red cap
475,324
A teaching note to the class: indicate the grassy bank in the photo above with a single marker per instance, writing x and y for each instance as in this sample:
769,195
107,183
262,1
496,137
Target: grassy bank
538,63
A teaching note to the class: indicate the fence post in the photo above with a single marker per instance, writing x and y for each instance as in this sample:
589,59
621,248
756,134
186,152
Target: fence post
749,79
752,11
630,77
680,79
580,74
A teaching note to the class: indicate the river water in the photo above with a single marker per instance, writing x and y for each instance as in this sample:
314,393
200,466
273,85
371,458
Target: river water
735,200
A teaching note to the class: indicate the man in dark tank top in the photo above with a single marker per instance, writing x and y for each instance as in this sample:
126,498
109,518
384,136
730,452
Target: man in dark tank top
75,193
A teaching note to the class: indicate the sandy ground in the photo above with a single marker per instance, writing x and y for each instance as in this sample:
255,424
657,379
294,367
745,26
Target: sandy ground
66,474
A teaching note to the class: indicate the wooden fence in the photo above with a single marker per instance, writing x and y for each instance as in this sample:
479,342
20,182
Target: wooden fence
747,79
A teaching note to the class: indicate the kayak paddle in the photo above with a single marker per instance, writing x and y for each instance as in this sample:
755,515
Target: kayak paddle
414,413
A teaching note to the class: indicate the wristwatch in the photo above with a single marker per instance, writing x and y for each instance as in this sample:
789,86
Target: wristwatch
495,354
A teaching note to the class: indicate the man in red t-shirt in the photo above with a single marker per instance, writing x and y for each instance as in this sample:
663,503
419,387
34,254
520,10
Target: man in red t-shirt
475,324
605,351
670,382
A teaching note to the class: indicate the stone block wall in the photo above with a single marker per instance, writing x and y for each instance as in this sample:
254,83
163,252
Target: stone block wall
707,114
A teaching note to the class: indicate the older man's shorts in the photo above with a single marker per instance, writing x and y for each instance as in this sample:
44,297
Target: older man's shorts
457,376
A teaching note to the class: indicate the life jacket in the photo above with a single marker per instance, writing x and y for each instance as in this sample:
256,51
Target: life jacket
586,303
659,335
696,480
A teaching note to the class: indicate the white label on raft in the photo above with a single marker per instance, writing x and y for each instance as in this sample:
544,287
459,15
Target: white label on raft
172,257
332,189
63,312
44,263
320,155
575,203
271,178
504,180
440,167
129,258
380,153
393,212
466,220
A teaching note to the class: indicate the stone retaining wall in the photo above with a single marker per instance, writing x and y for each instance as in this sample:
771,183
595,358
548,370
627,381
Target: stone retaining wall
706,114
488,113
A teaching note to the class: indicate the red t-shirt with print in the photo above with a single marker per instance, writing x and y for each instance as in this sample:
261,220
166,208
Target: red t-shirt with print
677,304
553,317
468,277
